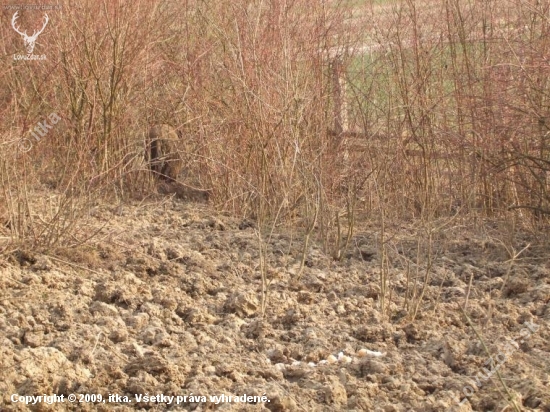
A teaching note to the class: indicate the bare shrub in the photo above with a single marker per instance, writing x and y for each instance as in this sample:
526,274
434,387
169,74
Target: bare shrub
310,114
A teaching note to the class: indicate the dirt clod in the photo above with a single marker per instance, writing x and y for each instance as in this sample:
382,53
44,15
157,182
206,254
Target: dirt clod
175,306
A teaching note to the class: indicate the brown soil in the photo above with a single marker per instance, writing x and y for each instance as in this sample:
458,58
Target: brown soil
167,301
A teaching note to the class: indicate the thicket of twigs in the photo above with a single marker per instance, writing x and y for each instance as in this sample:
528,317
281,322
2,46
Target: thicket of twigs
291,111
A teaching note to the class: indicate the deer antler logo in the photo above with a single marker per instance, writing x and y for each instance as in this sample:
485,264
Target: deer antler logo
30,41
